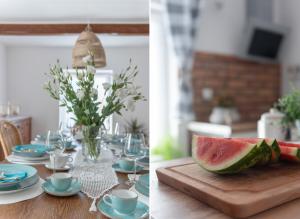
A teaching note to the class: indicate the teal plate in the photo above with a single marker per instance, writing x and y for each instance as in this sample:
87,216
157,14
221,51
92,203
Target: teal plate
144,180
141,189
11,168
141,211
18,187
117,168
73,190
30,150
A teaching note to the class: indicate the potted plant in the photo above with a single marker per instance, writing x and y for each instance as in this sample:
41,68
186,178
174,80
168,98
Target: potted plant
289,105
225,111
90,112
134,127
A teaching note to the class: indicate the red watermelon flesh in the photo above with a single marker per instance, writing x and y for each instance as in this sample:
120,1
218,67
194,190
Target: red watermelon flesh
286,144
290,153
219,154
274,149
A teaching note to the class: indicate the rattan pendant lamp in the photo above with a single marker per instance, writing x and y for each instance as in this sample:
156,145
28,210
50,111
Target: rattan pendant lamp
88,43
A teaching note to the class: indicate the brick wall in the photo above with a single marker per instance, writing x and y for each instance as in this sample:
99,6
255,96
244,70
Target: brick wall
253,86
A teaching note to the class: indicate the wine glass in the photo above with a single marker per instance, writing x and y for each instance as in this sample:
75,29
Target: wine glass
55,144
135,148
55,141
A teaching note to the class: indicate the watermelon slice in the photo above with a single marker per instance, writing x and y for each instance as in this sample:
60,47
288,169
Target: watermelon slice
266,150
275,149
286,144
224,156
290,153
272,143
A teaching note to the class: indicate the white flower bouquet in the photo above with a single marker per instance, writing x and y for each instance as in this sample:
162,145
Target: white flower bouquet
89,111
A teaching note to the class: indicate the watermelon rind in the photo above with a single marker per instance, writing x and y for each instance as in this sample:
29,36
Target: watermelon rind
247,158
250,160
265,153
275,149
290,154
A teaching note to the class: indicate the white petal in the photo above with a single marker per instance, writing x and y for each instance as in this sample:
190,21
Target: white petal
87,59
106,85
91,69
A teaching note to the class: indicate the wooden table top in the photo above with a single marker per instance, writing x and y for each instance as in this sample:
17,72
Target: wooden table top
167,202
46,206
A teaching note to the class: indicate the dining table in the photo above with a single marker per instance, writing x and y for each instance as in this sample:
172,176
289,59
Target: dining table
167,202
46,206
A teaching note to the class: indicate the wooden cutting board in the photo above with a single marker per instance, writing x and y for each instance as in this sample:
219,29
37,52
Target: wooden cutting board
239,195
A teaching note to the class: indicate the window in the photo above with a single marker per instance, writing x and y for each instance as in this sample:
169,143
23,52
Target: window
101,77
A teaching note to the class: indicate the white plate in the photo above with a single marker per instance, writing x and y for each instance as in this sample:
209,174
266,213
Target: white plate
19,190
50,167
20,158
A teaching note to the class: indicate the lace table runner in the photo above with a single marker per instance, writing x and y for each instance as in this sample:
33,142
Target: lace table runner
95,178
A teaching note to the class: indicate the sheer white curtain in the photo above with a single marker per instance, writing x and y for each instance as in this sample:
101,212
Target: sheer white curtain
172,33
181,23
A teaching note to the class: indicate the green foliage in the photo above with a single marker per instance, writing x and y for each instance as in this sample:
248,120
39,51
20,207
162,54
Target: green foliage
134,126
167,149
83,102
290,106
225,101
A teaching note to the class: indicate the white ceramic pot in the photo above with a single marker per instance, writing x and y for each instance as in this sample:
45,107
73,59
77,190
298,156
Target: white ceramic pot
270,125
224,115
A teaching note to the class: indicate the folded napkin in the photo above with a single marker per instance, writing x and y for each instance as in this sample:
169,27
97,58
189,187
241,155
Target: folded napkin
12,176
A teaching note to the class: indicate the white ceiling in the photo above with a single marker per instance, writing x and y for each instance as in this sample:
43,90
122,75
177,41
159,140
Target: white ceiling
74,11
107,40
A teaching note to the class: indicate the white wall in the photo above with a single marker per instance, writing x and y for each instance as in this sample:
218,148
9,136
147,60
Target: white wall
3,74
26,67
287,14
220,30
118,59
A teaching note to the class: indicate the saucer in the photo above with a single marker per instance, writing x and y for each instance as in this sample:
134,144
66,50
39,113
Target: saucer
70,148
117,168
50,167
143,162
141,211
73,190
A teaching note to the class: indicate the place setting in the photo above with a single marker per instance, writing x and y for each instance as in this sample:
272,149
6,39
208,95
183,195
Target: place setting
61,184
129,203
31,154
133,156
59,162
18,182
121,203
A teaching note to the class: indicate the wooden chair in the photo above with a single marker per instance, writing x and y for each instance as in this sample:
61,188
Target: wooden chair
9,137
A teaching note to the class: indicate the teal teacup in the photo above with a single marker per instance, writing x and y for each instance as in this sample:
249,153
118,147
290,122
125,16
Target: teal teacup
61,181
68,144
121,200
126,164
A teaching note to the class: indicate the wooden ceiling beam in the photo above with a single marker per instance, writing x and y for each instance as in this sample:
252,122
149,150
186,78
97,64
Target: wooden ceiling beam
56,29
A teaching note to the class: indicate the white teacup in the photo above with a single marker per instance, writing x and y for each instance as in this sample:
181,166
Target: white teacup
60,160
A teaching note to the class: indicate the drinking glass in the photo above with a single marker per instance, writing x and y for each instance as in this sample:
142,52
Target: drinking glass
55,143
135,148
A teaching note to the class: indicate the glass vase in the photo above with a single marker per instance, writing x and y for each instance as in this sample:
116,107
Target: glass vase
91,145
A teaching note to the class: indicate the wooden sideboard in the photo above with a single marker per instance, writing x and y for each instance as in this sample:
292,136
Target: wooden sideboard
23,123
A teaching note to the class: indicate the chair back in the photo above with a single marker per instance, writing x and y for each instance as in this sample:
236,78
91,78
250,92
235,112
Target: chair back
9,137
